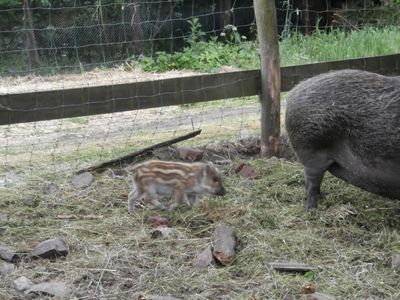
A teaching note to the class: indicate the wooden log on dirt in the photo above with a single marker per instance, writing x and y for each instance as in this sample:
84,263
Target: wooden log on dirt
145,152
290,267
224,244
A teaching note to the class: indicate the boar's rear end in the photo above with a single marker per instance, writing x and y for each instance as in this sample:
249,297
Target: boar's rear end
348,123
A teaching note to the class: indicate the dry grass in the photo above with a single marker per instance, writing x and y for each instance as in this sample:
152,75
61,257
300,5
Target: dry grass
349,240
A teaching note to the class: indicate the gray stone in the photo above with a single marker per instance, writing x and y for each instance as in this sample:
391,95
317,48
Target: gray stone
9,178
224,244
22,283
204,259
190,154
8,254
319,296
6,268
82,180
161,231
50,188
3,218
50,249
54,288
30,201
155,297
396,261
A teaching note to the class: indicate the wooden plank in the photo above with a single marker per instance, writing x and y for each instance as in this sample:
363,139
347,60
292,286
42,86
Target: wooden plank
385,65
85,101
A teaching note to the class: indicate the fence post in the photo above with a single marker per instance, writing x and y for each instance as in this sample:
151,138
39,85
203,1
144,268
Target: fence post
267,33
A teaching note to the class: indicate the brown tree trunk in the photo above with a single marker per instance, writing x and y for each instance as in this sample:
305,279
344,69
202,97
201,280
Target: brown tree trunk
225,8
33,54
138,42
270,76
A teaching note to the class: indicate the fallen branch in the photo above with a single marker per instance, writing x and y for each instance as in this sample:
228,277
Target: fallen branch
290,267
146,151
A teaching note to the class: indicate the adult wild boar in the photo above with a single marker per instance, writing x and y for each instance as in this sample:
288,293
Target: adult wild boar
348,123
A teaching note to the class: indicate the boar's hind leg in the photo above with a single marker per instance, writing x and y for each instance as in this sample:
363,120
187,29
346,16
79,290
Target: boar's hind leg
315,167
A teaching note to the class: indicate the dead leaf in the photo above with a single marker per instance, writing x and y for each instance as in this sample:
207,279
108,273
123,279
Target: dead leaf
308,288
246,171
157,221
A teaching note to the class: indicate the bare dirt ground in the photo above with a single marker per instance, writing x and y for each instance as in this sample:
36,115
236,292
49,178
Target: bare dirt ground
32,83
142,124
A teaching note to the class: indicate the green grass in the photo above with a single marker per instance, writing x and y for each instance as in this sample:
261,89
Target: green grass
349,240
296,49
336,45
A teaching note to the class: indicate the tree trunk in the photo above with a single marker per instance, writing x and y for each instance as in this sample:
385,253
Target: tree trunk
225,9
137,32
33,54
270,76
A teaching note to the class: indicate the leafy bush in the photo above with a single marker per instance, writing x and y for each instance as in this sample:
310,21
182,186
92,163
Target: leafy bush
201,55
229,48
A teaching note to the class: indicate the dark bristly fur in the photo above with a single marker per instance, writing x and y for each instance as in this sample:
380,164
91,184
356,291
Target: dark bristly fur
182,181
348,123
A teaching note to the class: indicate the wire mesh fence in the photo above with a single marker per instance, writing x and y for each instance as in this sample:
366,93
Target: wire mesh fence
62,64
55,45
44,36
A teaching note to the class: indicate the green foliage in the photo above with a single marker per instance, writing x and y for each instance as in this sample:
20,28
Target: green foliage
335,45
296,49
201,55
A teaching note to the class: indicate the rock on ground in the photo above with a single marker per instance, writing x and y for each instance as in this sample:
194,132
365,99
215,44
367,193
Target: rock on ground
22,283
161,231
319,296
8,254
6,268
82,180
57,289
224,244
190,154
50,249
396,261
204,259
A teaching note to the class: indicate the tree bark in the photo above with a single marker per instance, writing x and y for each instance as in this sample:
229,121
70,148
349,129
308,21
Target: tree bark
137,32
265,13
33,54
225,9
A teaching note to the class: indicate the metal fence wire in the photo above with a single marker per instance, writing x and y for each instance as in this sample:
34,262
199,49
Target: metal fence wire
57,45
65,35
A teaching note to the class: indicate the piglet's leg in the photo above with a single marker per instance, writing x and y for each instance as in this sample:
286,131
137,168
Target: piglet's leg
154,200
179,198
133,197
193,200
